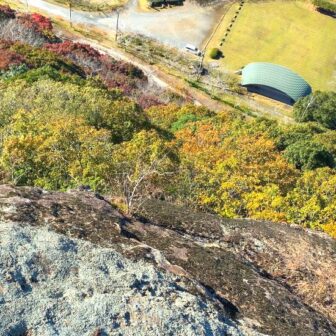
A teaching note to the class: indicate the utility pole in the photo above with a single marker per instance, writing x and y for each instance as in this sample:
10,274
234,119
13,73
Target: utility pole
117,25
70,13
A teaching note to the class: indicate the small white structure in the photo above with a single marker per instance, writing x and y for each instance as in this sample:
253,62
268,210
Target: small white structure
193,49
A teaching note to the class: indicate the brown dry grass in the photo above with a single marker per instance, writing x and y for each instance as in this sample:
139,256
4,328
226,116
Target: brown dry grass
310,271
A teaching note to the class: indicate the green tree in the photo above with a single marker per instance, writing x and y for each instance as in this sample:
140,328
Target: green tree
319,107
328,6
215,53
306,154
100,108
54,153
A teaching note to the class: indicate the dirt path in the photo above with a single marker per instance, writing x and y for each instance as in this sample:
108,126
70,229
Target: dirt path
154,73
159,77
190,12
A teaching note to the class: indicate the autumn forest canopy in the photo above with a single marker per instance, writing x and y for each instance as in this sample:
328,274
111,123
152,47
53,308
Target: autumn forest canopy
71,117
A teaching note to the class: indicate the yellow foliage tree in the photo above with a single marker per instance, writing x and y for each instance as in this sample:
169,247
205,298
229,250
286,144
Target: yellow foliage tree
54,153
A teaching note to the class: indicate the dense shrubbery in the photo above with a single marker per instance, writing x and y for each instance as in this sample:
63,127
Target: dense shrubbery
307,154
32,28
319,107
14,71
115,74
9,57
66,119
42,23
215,53
6,12
36,22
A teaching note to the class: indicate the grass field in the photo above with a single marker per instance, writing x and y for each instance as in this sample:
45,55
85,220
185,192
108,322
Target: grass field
290,33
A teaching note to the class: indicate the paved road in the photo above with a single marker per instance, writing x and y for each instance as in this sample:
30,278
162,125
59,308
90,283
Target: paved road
177,26
155,76
146,25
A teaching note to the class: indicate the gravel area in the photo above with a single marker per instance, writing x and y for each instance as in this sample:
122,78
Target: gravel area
177,26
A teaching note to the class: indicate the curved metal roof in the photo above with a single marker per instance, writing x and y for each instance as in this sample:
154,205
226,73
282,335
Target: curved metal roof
277,77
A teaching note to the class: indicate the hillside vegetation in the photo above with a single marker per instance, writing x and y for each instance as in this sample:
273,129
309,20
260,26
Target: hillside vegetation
70,117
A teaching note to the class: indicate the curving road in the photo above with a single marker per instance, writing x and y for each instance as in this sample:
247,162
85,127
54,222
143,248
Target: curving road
152,20
177,26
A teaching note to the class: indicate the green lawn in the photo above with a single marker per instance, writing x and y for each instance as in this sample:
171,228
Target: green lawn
290,33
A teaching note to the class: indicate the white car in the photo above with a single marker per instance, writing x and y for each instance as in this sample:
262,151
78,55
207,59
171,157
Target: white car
192,49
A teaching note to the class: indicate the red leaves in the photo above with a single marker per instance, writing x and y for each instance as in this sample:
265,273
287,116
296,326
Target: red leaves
8,57
115,74
33,29
67,48
43,23
37,22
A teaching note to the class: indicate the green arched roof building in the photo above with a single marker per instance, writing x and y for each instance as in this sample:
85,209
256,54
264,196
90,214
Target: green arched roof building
275,81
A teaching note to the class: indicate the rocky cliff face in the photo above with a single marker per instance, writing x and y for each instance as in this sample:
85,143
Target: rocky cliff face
71,264
54,285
